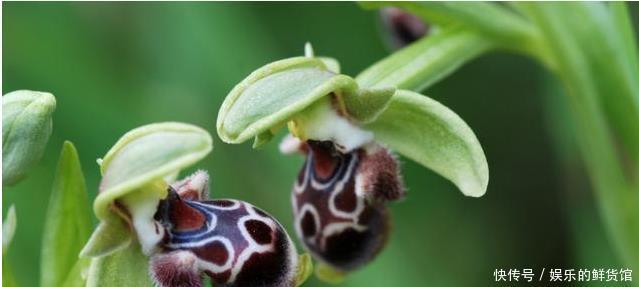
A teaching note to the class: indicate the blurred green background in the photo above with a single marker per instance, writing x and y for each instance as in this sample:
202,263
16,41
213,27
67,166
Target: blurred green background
116,66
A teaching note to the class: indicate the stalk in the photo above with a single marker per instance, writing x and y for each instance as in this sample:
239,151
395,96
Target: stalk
604,110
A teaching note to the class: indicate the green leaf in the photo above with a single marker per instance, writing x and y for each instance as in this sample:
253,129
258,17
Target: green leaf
426,61
26,127
67,224
429,133
623,23
9,229
127,267
8,280
273,94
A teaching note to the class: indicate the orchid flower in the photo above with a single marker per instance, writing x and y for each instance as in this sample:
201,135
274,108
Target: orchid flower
349,134
152,224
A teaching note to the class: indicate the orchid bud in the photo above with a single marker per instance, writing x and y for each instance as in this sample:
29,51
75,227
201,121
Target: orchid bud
231,241
26,127
402,28
338,202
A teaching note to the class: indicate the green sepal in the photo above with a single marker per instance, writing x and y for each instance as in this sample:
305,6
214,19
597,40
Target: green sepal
275,93
429,133
26,127
145,154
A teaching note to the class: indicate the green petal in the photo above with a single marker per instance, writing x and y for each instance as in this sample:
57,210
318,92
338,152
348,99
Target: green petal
68,220
127,267
26,127
429,133
262,139
273,94
148,153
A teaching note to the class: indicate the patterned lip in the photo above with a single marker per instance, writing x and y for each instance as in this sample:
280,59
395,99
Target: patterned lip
338,226
236,244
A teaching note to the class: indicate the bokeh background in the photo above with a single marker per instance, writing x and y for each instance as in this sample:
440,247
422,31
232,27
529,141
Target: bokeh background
116,66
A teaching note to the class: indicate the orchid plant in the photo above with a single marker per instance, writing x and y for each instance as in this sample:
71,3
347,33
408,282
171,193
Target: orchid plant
157,229
590,46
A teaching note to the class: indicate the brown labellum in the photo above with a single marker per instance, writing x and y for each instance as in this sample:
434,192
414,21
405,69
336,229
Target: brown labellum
339,202
231,241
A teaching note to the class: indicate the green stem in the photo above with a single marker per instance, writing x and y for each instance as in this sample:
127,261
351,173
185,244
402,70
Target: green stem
426,61
496,23
600,139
